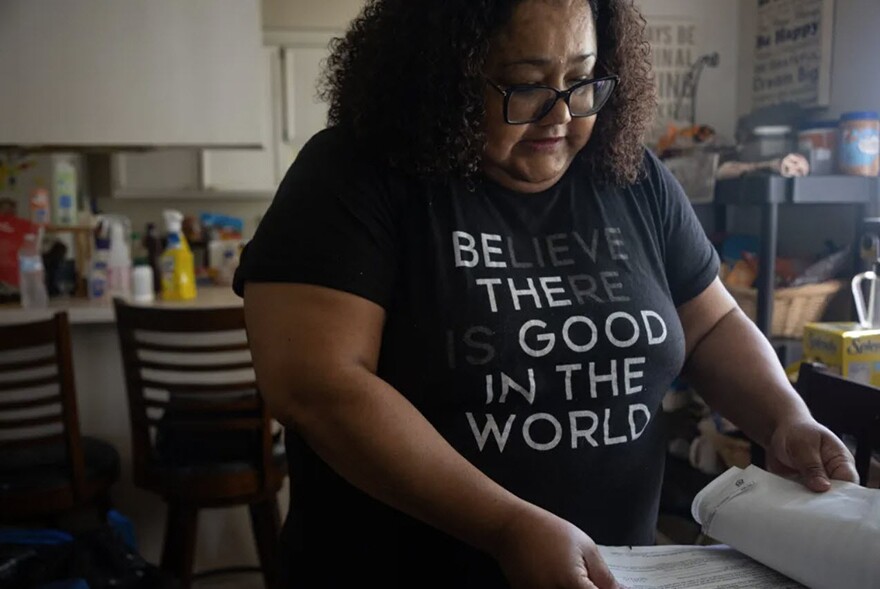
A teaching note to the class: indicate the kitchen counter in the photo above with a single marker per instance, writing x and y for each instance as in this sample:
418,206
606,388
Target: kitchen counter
83,311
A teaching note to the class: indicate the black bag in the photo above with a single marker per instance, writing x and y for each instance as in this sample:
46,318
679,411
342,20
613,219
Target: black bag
100,557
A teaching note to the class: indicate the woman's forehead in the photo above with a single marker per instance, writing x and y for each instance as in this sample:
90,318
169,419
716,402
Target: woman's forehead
539,30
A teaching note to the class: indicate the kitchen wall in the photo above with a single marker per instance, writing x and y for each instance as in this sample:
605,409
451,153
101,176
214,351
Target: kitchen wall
855,82
717,29
855,85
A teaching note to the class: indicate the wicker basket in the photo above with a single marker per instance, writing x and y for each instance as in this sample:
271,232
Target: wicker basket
792,307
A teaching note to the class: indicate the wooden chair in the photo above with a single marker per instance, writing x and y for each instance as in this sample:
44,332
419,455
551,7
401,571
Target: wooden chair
201,436
846,407
46,467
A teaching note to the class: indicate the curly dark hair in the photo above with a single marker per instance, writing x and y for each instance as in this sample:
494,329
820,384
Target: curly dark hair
407,80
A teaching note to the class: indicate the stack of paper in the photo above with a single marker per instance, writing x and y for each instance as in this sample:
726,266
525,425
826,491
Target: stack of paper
820,540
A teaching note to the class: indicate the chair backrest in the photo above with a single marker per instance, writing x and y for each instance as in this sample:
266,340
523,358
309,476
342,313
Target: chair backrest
846,407
37,391
189,370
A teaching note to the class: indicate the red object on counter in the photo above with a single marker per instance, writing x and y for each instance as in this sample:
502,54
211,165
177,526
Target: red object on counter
12,232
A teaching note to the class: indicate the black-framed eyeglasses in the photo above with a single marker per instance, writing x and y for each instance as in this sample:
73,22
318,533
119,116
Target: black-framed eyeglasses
527,103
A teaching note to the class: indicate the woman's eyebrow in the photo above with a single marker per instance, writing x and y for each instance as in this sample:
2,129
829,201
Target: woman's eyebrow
544,61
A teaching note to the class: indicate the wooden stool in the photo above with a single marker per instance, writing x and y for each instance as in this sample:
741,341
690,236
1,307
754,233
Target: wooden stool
46,467
201,435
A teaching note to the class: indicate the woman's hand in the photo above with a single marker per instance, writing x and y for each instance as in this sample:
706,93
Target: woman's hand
538,550
805,449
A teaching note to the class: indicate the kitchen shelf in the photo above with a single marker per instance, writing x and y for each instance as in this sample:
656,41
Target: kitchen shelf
768,193
766,189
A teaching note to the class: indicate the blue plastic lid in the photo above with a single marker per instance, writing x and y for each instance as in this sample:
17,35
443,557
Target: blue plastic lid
809,125
860,115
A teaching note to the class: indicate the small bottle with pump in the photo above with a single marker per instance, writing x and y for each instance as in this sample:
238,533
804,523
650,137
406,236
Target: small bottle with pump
177,264
31,274
119,262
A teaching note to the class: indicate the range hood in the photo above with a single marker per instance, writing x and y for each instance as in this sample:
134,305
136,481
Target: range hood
97,75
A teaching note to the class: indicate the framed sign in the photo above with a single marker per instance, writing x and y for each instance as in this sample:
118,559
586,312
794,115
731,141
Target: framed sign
793,52
673,51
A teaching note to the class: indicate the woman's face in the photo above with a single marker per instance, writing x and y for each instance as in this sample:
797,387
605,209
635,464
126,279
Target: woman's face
547,42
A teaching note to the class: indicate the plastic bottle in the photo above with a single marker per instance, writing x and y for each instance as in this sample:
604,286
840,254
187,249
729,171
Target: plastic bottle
39,206
178,268
119,262
153,245
31,274
65,189
227,266
98,278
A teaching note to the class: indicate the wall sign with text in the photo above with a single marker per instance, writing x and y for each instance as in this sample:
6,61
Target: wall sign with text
673,51
793,52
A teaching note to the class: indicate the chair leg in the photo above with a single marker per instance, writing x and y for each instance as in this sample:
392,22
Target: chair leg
178,552
266,524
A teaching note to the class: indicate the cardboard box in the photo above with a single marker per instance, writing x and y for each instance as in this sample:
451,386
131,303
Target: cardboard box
846,349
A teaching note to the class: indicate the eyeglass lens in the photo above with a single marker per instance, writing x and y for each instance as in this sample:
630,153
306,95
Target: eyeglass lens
532,104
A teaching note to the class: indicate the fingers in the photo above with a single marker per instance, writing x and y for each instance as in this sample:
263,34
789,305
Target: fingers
806,458
599,572
838,461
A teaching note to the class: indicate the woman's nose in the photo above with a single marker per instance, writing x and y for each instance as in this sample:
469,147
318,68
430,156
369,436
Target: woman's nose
558,115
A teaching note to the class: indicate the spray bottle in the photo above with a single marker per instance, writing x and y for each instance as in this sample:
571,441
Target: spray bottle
178,268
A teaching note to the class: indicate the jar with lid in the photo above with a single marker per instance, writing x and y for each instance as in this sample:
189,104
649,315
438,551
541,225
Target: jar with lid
860,144
817,141
767,142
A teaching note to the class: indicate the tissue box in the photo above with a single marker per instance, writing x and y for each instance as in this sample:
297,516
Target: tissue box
846,349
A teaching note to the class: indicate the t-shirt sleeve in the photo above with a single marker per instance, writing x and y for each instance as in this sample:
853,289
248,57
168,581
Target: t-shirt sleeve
331,223
690,259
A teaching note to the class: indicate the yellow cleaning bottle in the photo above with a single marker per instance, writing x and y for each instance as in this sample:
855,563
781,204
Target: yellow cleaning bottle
178,269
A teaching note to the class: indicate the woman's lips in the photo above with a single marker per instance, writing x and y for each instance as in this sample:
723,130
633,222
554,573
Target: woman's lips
549,144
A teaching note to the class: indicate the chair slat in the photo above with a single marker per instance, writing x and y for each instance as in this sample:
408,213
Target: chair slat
198,389
180,320
249,404
24,422
194,367
28,383
34,441
30,403
27,335
238,424
27,364
194,349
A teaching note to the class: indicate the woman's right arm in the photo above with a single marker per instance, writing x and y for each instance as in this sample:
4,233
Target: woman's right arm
315,352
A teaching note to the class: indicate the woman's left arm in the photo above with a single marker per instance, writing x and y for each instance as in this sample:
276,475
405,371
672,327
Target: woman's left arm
734,368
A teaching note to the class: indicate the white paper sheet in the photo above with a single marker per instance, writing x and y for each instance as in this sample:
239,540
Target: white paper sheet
824,540
690,567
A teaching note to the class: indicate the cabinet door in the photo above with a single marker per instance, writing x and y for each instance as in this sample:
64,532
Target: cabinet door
155,173
303,113
132,73
248,170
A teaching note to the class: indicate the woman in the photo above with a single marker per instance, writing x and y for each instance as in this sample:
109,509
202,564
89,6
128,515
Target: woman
470,295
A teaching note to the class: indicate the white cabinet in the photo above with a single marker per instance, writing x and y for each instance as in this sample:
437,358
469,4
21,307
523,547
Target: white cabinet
252,170
164,171
303,113
290,113
104,73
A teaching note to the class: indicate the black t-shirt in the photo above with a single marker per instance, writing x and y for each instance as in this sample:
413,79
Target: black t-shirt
538,334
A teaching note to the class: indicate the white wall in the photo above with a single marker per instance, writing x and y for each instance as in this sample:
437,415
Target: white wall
855,74
717,30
